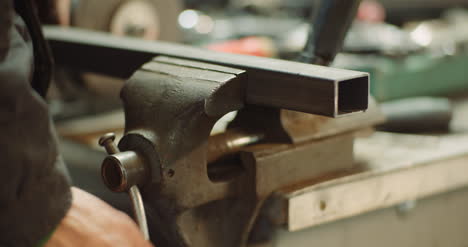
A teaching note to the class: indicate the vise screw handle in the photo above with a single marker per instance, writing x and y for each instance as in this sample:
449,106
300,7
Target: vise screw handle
117,171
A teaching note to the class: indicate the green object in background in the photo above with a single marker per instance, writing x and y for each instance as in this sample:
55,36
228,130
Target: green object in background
415,75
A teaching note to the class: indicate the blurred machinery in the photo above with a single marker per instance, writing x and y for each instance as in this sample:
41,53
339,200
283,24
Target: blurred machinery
141,18
400,58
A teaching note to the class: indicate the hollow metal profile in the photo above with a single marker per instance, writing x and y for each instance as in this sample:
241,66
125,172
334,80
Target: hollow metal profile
270,82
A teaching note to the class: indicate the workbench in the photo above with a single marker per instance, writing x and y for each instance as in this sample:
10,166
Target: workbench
408,190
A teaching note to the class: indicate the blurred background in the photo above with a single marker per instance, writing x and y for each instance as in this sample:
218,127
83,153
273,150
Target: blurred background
411,48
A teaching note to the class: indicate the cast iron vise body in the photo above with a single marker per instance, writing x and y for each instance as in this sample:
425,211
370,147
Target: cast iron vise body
208,191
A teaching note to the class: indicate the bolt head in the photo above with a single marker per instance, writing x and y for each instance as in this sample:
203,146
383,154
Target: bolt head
105,138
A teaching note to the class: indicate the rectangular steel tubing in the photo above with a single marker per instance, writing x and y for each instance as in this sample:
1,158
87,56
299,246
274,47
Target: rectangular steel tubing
270,82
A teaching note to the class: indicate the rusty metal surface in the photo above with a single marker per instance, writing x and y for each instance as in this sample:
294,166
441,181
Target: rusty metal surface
271,82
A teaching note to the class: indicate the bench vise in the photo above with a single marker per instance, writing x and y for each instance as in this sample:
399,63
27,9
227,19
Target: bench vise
219,190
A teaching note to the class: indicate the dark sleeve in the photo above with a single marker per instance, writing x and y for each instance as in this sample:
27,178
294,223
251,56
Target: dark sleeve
34,194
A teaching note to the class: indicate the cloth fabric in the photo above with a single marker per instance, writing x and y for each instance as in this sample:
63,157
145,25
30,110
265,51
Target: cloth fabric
35,192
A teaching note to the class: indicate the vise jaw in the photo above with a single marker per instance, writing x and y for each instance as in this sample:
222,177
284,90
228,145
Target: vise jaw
202,190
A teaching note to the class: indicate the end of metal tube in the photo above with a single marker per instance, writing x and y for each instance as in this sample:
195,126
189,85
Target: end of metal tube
352,95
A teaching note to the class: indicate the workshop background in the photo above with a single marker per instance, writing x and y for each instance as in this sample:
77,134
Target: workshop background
413,191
